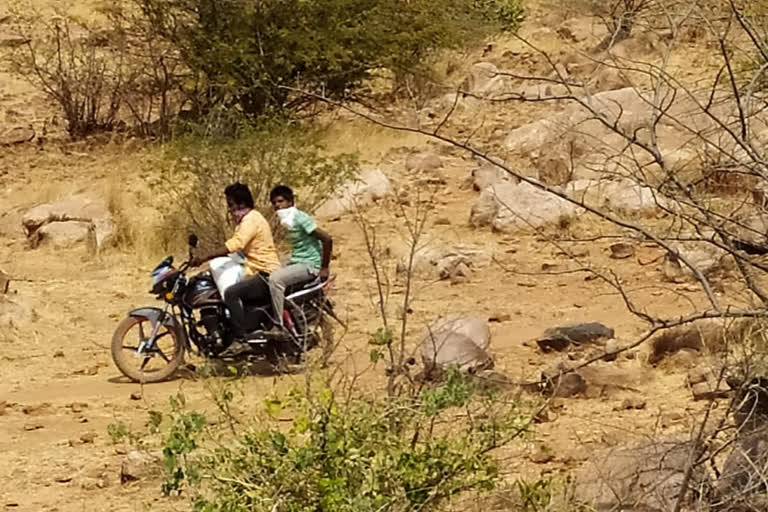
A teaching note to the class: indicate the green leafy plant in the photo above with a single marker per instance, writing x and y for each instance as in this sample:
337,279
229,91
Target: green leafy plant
361,454
255,55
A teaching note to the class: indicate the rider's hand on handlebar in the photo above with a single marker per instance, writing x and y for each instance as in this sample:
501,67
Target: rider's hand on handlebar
324,274
195,262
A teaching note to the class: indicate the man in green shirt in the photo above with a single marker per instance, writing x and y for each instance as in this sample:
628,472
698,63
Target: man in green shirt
311,248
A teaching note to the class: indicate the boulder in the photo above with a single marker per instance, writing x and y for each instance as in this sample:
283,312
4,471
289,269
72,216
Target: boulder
422,162
742,482
639,475
625,107
621,196
704,257
138,465
16,135
460,340
65,235
488,175
76,212
443,262
484,80
371,185
14,314
512,207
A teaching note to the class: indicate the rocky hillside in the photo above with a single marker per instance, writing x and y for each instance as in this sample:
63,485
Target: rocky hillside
569,267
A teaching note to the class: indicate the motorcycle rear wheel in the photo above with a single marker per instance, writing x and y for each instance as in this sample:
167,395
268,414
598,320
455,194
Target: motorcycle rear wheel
125,351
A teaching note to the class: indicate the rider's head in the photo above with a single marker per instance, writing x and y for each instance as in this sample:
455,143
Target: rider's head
238,197
281,197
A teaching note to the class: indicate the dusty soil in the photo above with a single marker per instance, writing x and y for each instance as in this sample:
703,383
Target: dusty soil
58,385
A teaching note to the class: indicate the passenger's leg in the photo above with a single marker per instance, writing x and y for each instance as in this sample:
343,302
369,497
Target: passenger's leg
281,279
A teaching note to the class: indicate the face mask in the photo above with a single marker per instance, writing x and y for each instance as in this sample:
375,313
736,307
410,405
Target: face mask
287,216
238,215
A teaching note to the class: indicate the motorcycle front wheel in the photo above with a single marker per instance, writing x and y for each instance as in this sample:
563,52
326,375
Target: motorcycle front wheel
153,364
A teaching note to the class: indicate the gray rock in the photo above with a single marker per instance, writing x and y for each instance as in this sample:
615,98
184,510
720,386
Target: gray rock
643,476
560,338
77,210
460,340
371,185
16,135
138,465
511,207
423,162
65,235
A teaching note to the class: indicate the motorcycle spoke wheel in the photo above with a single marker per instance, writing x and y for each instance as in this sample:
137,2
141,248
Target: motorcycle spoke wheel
151,364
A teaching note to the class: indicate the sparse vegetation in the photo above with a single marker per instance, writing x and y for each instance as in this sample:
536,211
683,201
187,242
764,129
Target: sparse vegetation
196,167
344,452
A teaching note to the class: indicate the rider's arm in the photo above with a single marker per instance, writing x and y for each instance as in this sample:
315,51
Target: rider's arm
327,241
213,253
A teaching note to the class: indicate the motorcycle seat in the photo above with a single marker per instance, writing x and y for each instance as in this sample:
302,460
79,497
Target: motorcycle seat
304,288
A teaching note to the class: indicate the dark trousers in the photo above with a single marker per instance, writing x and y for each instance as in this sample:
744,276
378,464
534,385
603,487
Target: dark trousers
254,290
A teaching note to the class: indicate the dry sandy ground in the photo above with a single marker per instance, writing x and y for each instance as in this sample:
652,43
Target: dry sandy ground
59,390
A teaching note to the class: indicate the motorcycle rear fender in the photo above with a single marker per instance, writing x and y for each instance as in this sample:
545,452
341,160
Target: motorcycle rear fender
154,315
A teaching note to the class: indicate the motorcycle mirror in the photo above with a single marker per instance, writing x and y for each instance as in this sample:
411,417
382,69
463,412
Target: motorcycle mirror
193,240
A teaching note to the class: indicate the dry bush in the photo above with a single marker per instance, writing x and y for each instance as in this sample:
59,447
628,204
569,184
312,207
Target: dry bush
195,169
105,74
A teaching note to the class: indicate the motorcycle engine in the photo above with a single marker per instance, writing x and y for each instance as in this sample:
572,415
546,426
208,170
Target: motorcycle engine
210,321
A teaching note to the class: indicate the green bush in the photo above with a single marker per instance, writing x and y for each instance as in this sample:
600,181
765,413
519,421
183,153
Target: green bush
355,455
251,54
509,14
196,167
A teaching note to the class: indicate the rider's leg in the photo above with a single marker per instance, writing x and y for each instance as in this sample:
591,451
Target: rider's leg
252,289
284,277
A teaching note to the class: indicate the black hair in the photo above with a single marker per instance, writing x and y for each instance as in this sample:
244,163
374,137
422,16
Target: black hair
281,191
240,194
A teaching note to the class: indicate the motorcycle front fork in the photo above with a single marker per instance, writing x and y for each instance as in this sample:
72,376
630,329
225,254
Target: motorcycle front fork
149,343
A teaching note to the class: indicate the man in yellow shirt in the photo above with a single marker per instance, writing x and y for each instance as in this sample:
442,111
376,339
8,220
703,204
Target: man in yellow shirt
253,238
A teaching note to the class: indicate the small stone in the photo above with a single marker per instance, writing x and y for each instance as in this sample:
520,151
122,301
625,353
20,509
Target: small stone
58,353
500,317
442,221
636,403
82,419
527,284
137,465
135,396
630,354
611,350
29,427
670,418
88,437
37,410
542,457
704,391
622,250
542,417
77,407
568,385
91,484
456,280
462,270
697,375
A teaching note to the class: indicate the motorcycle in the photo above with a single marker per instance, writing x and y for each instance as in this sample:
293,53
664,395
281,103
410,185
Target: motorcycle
196,319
